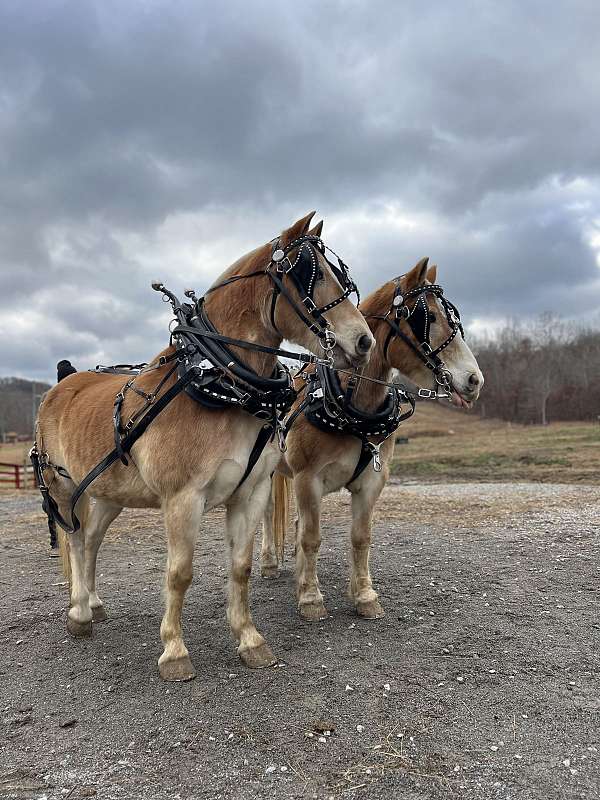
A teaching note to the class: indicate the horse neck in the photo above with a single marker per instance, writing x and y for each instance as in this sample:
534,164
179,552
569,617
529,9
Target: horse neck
239,310
369,396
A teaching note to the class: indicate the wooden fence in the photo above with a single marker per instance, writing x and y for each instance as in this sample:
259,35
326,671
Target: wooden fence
16,476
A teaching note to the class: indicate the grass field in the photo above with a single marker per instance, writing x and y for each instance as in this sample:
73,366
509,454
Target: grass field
447,445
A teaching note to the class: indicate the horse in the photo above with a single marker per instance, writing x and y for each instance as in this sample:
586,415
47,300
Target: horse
193,458
412,323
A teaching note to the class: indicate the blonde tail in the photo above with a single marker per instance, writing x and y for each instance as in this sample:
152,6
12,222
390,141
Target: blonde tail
63,546
281,493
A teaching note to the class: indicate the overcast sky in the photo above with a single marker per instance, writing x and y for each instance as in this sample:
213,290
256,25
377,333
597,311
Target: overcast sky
143,140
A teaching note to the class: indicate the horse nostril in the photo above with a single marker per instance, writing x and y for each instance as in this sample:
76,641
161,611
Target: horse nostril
474,380
363,345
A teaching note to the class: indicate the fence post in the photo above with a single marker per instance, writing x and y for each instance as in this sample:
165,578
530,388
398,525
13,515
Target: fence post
17,477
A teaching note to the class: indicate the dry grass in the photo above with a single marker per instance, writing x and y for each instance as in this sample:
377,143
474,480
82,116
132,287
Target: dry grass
446,445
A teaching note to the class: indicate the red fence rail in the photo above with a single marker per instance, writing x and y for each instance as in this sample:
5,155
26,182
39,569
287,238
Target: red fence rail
16,476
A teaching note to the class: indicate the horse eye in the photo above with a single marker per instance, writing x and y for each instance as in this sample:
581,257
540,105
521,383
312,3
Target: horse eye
432,317
320,275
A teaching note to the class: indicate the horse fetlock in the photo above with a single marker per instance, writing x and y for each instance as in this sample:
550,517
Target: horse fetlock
361,589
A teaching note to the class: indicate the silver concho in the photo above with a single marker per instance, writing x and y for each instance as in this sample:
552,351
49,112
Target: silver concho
278,256
398,300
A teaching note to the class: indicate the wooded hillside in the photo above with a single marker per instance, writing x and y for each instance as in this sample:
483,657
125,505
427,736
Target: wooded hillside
19,399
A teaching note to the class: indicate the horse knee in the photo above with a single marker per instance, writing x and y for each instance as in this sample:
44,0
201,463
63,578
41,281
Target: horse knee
179,577
240,573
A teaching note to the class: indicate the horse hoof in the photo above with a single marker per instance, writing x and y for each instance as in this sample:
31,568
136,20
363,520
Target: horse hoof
99,614
258,657
312,612
372,609
269,572
179,669
79,630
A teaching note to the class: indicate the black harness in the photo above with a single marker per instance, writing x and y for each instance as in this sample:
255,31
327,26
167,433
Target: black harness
209,372
329,407
419,321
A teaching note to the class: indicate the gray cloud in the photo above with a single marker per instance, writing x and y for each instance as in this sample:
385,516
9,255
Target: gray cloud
163,139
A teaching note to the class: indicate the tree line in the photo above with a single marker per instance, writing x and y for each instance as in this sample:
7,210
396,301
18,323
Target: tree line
540,371
19,400
535,372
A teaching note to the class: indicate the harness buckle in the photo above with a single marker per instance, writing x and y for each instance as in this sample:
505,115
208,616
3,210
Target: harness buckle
206,364
427,394
376,457
281,433
309,304
328,342
318,393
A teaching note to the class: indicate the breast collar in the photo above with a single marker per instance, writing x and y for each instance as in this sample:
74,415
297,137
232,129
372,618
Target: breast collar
330,408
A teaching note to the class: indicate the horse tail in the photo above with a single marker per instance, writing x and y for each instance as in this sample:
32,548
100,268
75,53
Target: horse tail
64,546
281,493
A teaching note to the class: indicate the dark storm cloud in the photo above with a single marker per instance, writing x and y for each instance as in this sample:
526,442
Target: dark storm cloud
164,139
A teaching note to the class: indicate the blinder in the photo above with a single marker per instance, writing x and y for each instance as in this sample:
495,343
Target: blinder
419,319
305,272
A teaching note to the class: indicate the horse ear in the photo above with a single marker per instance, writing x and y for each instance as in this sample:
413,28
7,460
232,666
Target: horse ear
298,229
317,230
432,273
418,274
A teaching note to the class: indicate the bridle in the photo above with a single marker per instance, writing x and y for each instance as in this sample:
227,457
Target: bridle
419,321
305,272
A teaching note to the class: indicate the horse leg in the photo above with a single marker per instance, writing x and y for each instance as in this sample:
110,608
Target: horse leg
269,566
361,587
99,518
183,514
79,616
243,515
308,540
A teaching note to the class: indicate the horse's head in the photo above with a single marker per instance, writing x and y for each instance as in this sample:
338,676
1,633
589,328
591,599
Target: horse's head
420,333
309,304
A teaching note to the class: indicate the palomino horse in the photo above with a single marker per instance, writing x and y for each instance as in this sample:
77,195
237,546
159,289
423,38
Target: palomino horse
192,458
412,322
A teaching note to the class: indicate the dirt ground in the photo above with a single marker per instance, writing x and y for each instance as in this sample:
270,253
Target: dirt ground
482,680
